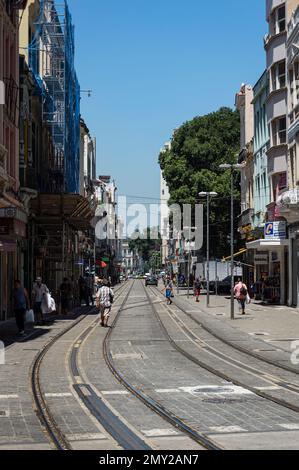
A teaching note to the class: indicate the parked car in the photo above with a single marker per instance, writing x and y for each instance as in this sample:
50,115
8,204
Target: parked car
151,281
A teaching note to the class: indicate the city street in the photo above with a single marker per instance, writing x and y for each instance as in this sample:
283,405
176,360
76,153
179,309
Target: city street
156,380
149,230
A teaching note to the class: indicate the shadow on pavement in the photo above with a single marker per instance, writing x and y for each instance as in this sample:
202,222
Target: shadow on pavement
9,334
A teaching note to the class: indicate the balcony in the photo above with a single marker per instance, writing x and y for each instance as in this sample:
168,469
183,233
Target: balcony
277,104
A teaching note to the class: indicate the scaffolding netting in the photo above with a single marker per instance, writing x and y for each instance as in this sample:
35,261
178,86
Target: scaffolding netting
51,58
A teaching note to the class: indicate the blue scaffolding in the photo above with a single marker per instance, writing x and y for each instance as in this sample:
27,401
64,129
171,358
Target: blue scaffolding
51,57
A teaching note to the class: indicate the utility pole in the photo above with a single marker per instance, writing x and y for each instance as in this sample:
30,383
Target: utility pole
232,168
208,195
232,249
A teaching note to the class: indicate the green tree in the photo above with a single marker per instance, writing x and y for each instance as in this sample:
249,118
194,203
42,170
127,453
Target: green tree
144,244
192,164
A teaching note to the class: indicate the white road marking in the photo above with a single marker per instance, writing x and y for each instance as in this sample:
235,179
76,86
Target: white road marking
127,356
86,437
8,397
160,433
290,426
227,429
115,392
168,390
58,395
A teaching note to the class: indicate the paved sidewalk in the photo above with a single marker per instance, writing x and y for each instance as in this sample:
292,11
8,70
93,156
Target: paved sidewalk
265,329
20,428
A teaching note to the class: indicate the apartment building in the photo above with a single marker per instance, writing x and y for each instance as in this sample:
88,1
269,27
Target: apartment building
273,249
164,215
13,218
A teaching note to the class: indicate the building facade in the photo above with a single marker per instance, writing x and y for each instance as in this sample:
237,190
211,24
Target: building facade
13,218
273,256
164,219
244,104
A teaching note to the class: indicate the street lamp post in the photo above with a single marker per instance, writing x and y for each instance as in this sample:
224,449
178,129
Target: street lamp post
208,195
233,168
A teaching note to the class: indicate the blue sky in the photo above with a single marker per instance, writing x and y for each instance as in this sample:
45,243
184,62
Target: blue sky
152,65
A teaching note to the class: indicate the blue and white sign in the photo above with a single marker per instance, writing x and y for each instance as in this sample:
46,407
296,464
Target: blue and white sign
275,231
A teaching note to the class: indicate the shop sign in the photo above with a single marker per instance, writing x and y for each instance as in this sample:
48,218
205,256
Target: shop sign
275,231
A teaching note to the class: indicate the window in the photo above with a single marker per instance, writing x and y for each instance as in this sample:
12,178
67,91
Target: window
279,132
279,183
278,74
278,20
281,20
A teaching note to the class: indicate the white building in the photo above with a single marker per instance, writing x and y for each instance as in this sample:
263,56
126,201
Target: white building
130,259
164,212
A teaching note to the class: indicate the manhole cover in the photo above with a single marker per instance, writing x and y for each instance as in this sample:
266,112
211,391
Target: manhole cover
213,391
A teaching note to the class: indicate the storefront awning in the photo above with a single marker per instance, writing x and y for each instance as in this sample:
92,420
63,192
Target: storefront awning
241,252
264,245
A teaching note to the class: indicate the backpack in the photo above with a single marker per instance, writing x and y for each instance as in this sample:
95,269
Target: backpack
243,291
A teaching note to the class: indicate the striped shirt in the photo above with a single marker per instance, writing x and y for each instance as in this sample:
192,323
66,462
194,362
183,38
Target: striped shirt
104,296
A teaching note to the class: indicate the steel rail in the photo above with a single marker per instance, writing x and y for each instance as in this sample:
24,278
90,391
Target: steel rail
148,401
57,438
276,380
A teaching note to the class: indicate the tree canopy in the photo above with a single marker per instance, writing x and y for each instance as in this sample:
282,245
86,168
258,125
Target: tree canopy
198,147
144,244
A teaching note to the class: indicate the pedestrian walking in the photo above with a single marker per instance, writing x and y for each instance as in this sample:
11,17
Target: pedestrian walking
197,287
241,293
21,304
104,301
83,291
65,296
168,290
39,291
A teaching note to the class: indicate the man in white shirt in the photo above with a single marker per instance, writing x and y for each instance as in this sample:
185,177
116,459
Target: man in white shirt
104,301
38,292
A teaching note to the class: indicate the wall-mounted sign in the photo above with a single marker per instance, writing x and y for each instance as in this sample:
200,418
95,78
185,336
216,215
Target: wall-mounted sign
261,259
275,231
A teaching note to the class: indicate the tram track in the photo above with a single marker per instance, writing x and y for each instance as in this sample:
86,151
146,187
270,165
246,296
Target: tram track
112,423
51,428
200,343
155,406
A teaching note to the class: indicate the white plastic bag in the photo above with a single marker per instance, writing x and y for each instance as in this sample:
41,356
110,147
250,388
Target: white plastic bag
29,318
248,299
48,304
